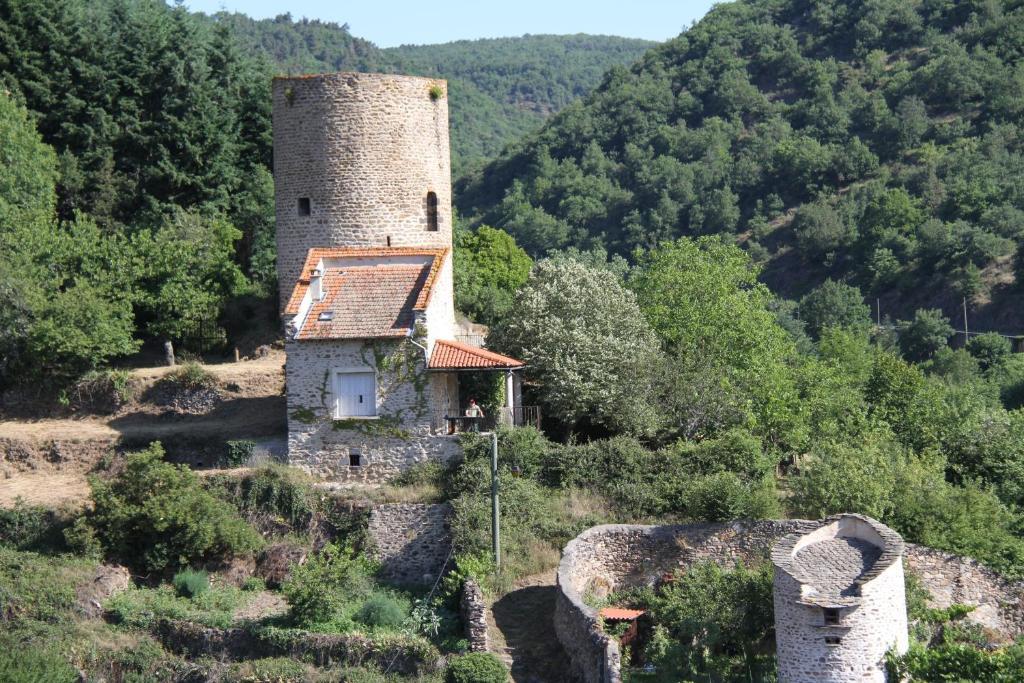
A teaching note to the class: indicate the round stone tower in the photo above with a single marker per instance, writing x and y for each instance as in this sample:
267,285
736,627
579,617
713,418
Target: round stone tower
839,601
360,160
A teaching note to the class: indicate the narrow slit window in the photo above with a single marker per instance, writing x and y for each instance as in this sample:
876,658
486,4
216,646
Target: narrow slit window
831,617
833,640
432,211
355,457
304,207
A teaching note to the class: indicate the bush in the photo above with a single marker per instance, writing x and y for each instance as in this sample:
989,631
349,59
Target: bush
270,670
35,665
382,611
190,583
477,667
921,337
156,516
238,452
254,584
989,348
191,375
318,590
28,527
834,304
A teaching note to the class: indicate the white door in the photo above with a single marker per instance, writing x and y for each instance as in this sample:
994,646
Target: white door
355,394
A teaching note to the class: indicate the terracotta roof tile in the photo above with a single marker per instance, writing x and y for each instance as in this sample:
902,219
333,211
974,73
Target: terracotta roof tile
366,302
620,614
453,355
316,255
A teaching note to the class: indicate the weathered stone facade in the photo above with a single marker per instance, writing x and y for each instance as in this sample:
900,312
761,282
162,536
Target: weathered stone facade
839,601
364,149
610,557
412,541
402,434
362,160
473,609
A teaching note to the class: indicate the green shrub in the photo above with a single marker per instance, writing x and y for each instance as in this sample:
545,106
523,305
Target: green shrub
270,670
156,516
477,667
238,452
116,384
142,607
190,583
989,348
254,584
275,490
319,589
191,375
29,527
35,665
382,611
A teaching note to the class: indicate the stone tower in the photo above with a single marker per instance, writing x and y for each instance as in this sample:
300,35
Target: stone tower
360,160
839,601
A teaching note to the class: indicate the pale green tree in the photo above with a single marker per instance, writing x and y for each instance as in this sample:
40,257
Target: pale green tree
586,345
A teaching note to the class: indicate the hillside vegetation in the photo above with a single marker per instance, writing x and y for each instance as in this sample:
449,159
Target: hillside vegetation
877,142
500,89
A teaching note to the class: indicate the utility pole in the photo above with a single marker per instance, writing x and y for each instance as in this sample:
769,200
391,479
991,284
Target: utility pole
495,522
966,338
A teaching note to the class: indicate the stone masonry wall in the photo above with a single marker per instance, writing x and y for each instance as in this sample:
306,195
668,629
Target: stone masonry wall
399,437
609,557
365,149
412,541
473,609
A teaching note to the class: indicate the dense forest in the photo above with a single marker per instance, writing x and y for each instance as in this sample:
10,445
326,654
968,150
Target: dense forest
500,88
873,142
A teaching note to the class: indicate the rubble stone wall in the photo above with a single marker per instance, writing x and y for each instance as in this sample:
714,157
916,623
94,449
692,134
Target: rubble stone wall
473,609
412,541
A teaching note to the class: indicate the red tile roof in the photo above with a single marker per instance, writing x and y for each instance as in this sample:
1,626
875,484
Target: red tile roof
453,355
619,614
317,254
365,300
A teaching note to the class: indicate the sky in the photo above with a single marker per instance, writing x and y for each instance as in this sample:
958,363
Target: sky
388,23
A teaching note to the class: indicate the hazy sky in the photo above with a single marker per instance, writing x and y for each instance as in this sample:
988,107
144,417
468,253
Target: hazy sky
396,22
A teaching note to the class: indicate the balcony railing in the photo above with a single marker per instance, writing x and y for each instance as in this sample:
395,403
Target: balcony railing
520,416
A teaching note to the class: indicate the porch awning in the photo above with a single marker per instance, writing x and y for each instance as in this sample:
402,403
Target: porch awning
453,355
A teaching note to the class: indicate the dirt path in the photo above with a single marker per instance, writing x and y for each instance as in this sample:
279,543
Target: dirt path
522,631
52,489
45,461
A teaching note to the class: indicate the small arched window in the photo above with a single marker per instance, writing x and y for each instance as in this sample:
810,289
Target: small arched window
432,211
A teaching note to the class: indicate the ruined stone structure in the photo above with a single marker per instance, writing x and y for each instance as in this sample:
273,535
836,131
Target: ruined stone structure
411,541
612,557
839,601
362,184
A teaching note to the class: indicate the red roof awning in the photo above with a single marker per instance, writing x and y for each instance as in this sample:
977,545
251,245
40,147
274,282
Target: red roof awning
453,355
619,614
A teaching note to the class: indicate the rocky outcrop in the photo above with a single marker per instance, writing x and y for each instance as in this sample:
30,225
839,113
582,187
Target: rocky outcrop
108,580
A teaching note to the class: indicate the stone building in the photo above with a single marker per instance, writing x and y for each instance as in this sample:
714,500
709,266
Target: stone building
839,601
362,184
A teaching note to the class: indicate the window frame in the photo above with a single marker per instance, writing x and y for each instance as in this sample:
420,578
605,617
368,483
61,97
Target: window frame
433,217
336,395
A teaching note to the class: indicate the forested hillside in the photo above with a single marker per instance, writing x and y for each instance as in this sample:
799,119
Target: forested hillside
874,142
136,197
500,89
